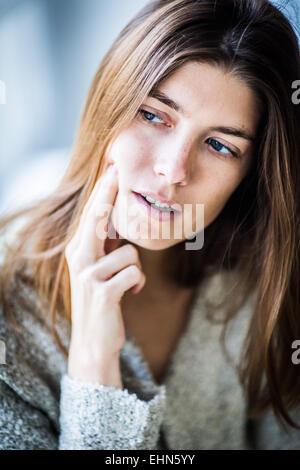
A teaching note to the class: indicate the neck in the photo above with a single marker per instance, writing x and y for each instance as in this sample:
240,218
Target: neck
160,293
158,267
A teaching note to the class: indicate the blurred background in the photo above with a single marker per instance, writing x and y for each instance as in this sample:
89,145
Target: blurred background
49,53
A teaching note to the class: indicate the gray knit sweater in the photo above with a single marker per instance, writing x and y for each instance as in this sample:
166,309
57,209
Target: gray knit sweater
200,404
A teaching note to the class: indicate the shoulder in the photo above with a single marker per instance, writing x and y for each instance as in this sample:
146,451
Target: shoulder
33,363
33,319
223,285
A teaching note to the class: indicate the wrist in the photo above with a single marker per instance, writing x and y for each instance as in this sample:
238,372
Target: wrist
103,371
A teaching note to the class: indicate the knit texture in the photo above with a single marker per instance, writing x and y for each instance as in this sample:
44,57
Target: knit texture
200,404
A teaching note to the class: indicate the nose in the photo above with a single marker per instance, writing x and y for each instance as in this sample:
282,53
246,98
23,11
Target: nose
174,163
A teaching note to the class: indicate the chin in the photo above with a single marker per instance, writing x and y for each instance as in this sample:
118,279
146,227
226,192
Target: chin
143,241
154,245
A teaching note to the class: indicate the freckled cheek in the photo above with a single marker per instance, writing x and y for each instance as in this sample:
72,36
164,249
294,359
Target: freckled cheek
130,150
131,155
140,150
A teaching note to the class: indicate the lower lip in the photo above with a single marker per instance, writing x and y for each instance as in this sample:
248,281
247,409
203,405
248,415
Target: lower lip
152,211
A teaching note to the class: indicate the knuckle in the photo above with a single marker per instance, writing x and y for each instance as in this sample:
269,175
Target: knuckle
84,276
106,292
131,250
134,270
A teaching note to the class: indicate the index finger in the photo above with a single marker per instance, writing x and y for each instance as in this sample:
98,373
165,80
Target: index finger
91,233
94,192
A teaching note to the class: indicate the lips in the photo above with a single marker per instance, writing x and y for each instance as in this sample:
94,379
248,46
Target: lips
160,199
152,203
152,212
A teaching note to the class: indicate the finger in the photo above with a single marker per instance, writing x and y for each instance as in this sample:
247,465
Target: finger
76,236
95,192
94,227
114,262
125,280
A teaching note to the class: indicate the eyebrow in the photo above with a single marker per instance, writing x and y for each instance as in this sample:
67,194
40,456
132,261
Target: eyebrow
238,132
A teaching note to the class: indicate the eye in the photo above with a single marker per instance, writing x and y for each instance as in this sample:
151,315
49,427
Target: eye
216,145
147,116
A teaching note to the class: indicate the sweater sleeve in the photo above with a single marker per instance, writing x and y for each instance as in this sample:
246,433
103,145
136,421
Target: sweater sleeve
23,426
92,417
95,416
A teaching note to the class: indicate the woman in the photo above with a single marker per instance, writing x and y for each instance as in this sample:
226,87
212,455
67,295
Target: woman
193,106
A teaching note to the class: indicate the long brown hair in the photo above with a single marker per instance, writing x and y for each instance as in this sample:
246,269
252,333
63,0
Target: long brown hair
257,232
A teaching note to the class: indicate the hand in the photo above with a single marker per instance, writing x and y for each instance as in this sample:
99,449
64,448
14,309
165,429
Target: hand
100,273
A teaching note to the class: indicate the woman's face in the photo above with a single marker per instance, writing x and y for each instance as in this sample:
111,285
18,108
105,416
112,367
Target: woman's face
185,154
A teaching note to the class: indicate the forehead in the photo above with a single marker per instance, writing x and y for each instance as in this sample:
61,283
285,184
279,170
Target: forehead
206,90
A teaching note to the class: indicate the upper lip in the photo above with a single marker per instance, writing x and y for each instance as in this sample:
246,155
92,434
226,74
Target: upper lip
161,199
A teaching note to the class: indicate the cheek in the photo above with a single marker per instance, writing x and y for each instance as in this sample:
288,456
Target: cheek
129,151
214,190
